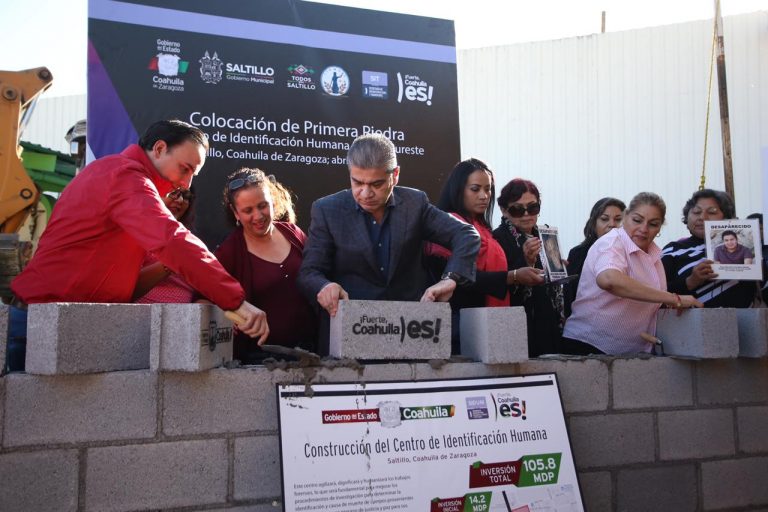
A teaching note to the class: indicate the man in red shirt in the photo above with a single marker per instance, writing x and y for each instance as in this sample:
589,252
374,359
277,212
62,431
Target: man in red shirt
112,213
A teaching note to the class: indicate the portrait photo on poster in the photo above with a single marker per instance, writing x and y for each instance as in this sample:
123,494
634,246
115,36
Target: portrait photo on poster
551,255
734,246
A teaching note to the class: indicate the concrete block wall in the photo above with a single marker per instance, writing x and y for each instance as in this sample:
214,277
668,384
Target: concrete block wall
647,434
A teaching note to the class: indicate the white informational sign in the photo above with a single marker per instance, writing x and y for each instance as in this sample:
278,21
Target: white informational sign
471,445
734,246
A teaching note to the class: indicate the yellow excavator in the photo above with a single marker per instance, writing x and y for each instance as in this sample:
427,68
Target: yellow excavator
19,92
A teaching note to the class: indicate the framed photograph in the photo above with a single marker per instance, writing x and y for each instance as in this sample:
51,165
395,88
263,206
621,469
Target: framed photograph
734,245
551,256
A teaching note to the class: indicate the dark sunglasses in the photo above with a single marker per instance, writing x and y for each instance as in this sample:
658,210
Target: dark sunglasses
518,210
239,183
180,193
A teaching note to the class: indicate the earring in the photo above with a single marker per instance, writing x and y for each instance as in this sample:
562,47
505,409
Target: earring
237,222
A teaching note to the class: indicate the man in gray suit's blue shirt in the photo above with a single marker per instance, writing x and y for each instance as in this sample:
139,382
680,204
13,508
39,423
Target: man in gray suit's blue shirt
366,242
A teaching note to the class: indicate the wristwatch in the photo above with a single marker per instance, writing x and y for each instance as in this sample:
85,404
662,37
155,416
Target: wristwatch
460,280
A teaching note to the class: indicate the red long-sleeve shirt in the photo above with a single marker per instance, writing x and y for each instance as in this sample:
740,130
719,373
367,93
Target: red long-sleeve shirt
105,221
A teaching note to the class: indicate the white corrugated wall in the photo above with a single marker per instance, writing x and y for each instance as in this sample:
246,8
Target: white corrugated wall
52,118
616,114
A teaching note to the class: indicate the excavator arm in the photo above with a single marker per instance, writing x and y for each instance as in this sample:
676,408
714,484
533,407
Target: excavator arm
19,91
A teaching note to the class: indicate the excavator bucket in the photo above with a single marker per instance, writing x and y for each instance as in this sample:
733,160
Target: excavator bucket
19,91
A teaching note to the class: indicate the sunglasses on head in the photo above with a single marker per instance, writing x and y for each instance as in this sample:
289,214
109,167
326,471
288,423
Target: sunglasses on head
179,193
239,183
518,210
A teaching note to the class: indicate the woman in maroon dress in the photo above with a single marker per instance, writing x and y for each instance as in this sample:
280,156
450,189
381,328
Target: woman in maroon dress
265,256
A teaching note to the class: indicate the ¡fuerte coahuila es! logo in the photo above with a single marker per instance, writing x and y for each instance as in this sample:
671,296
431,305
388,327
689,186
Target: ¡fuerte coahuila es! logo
301,77
168,65
507,405
210,68
413,88
335,81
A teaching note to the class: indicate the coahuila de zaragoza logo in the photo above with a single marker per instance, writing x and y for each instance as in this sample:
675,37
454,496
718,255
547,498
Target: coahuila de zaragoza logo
168,64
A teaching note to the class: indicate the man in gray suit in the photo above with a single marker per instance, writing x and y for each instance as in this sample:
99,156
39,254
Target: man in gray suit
366,242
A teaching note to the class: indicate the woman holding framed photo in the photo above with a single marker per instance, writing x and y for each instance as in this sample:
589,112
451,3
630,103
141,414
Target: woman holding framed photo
520,203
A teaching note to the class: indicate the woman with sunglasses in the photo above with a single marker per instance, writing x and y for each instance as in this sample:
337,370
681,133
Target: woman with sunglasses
264,255
156,282
469,194
607,213
520,204
623,286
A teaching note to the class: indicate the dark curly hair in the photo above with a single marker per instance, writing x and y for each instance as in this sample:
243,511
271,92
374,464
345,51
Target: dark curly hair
253,177
724,202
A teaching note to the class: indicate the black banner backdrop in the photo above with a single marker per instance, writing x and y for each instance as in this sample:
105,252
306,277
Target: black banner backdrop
284,86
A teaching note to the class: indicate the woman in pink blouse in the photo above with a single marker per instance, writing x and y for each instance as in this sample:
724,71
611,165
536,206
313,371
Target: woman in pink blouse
622,286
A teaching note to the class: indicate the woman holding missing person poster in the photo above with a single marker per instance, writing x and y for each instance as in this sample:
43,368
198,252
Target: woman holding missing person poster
685,262
622,286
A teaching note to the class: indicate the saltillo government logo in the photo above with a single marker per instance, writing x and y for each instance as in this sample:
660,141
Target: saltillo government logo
210,68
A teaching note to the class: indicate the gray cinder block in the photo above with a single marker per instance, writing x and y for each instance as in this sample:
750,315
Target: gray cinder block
668,488
189,337
494,335
696,434
201,403
371,329
46,410
156,476
732,484
753,332
71,338
703,333
42,481
257,461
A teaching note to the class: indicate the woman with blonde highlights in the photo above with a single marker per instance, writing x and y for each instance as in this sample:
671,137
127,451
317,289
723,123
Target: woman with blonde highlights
265,255
622,286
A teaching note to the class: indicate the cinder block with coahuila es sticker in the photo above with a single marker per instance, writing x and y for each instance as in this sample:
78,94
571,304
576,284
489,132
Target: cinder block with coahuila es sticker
372,329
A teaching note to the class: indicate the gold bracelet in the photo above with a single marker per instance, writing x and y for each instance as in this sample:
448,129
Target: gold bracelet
514,276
